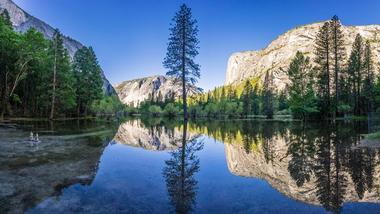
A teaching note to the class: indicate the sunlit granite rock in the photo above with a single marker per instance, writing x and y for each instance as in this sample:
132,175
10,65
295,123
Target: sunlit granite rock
277,55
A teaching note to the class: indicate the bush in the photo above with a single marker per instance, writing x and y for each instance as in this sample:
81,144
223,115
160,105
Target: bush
131,110
155,111
211,110
108,105
171,110
284,112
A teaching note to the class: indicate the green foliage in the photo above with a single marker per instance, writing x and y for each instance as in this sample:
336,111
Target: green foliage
247,98
182,50
268,95
37,78
108,105
171,110
301,92
88,79
6,18
155,111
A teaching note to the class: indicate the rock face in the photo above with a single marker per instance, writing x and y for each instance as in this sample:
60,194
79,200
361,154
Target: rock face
277,56
22,21
135,134
133,92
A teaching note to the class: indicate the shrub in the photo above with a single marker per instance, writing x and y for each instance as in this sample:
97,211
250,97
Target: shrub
171,110
155,111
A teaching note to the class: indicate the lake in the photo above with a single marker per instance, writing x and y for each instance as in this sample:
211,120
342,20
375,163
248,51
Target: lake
160,166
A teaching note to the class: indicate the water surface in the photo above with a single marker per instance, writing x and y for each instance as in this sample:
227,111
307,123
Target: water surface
157,166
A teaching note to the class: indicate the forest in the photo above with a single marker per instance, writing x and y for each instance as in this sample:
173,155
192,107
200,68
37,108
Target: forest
331,85
40,80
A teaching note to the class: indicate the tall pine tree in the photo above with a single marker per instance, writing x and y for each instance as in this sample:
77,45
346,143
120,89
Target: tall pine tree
355,67
88,79
322,60
181,51
268,95
302,99
247,98
338,56
62,79
368,86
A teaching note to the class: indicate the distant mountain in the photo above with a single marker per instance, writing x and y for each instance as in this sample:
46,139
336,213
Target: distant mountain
22,21
133,92
277,56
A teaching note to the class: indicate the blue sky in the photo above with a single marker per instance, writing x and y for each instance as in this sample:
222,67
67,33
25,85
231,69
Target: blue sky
130,36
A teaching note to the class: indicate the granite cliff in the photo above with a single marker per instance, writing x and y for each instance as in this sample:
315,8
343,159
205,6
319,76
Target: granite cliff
277,56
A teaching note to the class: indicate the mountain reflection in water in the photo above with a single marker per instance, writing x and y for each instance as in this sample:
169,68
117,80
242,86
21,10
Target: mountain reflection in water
180,169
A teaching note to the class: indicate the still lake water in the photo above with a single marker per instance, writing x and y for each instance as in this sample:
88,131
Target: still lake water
155,166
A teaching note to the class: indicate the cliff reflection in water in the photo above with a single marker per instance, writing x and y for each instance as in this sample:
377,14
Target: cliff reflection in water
321,164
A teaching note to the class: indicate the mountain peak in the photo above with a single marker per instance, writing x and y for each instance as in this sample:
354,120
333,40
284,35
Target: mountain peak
277,56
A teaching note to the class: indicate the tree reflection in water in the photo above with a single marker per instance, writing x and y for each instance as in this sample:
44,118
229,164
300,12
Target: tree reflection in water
322,155
330,155
180,170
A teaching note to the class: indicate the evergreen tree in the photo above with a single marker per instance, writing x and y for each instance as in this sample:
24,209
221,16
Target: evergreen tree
338,56
246,98
268,95
283,100
31,88
8,57
355,67
322,60
62,80
6,18
182,49
302,99
256,100
368,86
88,79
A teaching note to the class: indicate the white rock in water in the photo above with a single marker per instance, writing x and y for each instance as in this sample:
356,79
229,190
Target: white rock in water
277,56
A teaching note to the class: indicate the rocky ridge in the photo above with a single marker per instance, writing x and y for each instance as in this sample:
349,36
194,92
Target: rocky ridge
277,56
133,92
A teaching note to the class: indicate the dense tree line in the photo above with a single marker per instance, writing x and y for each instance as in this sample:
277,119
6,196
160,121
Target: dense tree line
328,86
39,79
344,86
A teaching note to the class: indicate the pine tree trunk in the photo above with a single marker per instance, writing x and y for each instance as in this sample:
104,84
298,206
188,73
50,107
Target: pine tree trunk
54,85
